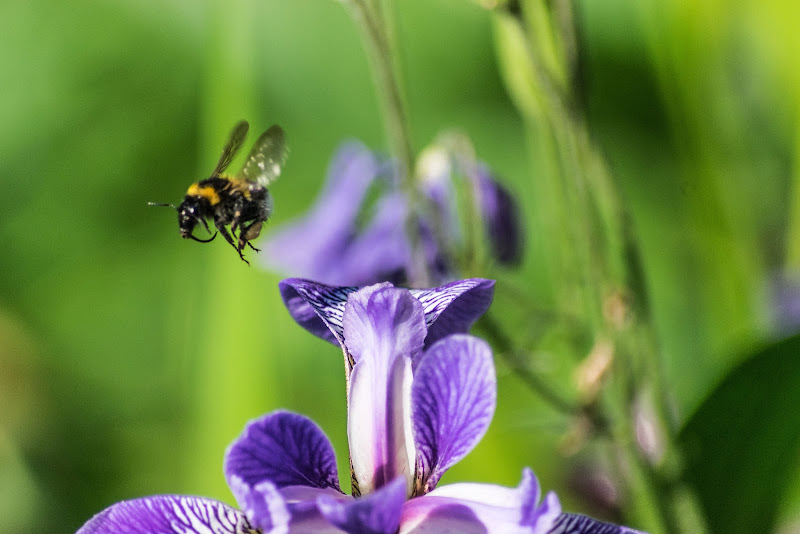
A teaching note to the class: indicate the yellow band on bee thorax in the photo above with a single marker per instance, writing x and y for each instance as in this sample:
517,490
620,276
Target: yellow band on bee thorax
207,192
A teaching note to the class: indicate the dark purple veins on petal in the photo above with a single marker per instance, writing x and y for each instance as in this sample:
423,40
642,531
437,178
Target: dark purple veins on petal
580,524
168,514
285,449
316,307
382,321
453,398
378,513
453,308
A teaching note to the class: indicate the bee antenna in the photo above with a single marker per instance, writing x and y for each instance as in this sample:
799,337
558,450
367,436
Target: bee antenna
162,204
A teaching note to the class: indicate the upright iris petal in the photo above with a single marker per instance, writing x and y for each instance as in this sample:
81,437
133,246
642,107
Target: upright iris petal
384,330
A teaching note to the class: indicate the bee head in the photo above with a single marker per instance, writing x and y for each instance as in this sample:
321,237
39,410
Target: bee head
188,219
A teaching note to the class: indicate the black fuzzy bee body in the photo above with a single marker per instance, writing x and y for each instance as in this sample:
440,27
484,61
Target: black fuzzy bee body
241,201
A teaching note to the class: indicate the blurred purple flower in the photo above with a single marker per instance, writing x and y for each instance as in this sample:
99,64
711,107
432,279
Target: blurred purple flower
419,399
784,304
357,231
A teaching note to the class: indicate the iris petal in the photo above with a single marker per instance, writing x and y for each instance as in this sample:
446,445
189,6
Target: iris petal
485,508
378,513
453,399
328,227
449,309
381,251
167,514
580,524
289,509
284,449
263,505
384,329
384,323
453,308
501,217
316,307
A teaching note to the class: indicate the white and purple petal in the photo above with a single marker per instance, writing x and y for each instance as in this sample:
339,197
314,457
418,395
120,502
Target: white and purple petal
454,307
263,505
377,513
168,514
383,323
453,398
285,510
581,524
384,329
284,449
484,508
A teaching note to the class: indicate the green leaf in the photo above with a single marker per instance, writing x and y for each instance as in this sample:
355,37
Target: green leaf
741,445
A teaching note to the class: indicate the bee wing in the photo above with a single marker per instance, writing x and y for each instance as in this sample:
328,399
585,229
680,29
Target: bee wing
235,140
268,155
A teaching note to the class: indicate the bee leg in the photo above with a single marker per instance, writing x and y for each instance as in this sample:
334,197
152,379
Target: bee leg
248,233
229,239
238,206
253,230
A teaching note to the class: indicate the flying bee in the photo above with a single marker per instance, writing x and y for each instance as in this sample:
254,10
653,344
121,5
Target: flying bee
241,200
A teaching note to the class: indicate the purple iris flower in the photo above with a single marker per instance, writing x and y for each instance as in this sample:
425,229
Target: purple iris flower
421,394
357,231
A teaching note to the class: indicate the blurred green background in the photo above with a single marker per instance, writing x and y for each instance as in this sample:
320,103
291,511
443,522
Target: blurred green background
130,358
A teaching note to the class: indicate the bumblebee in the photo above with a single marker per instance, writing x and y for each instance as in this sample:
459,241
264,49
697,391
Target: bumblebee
241,200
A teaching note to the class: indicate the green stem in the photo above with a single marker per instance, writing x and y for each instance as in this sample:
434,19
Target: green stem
374,18
792,262
375,23
592,412
503,347
604,261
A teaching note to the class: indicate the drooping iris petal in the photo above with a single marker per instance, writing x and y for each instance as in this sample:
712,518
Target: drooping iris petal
377,513
453,308
449,309
284,449
580,524
167,514
316,307
312,246
453,398
469,507
384,329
